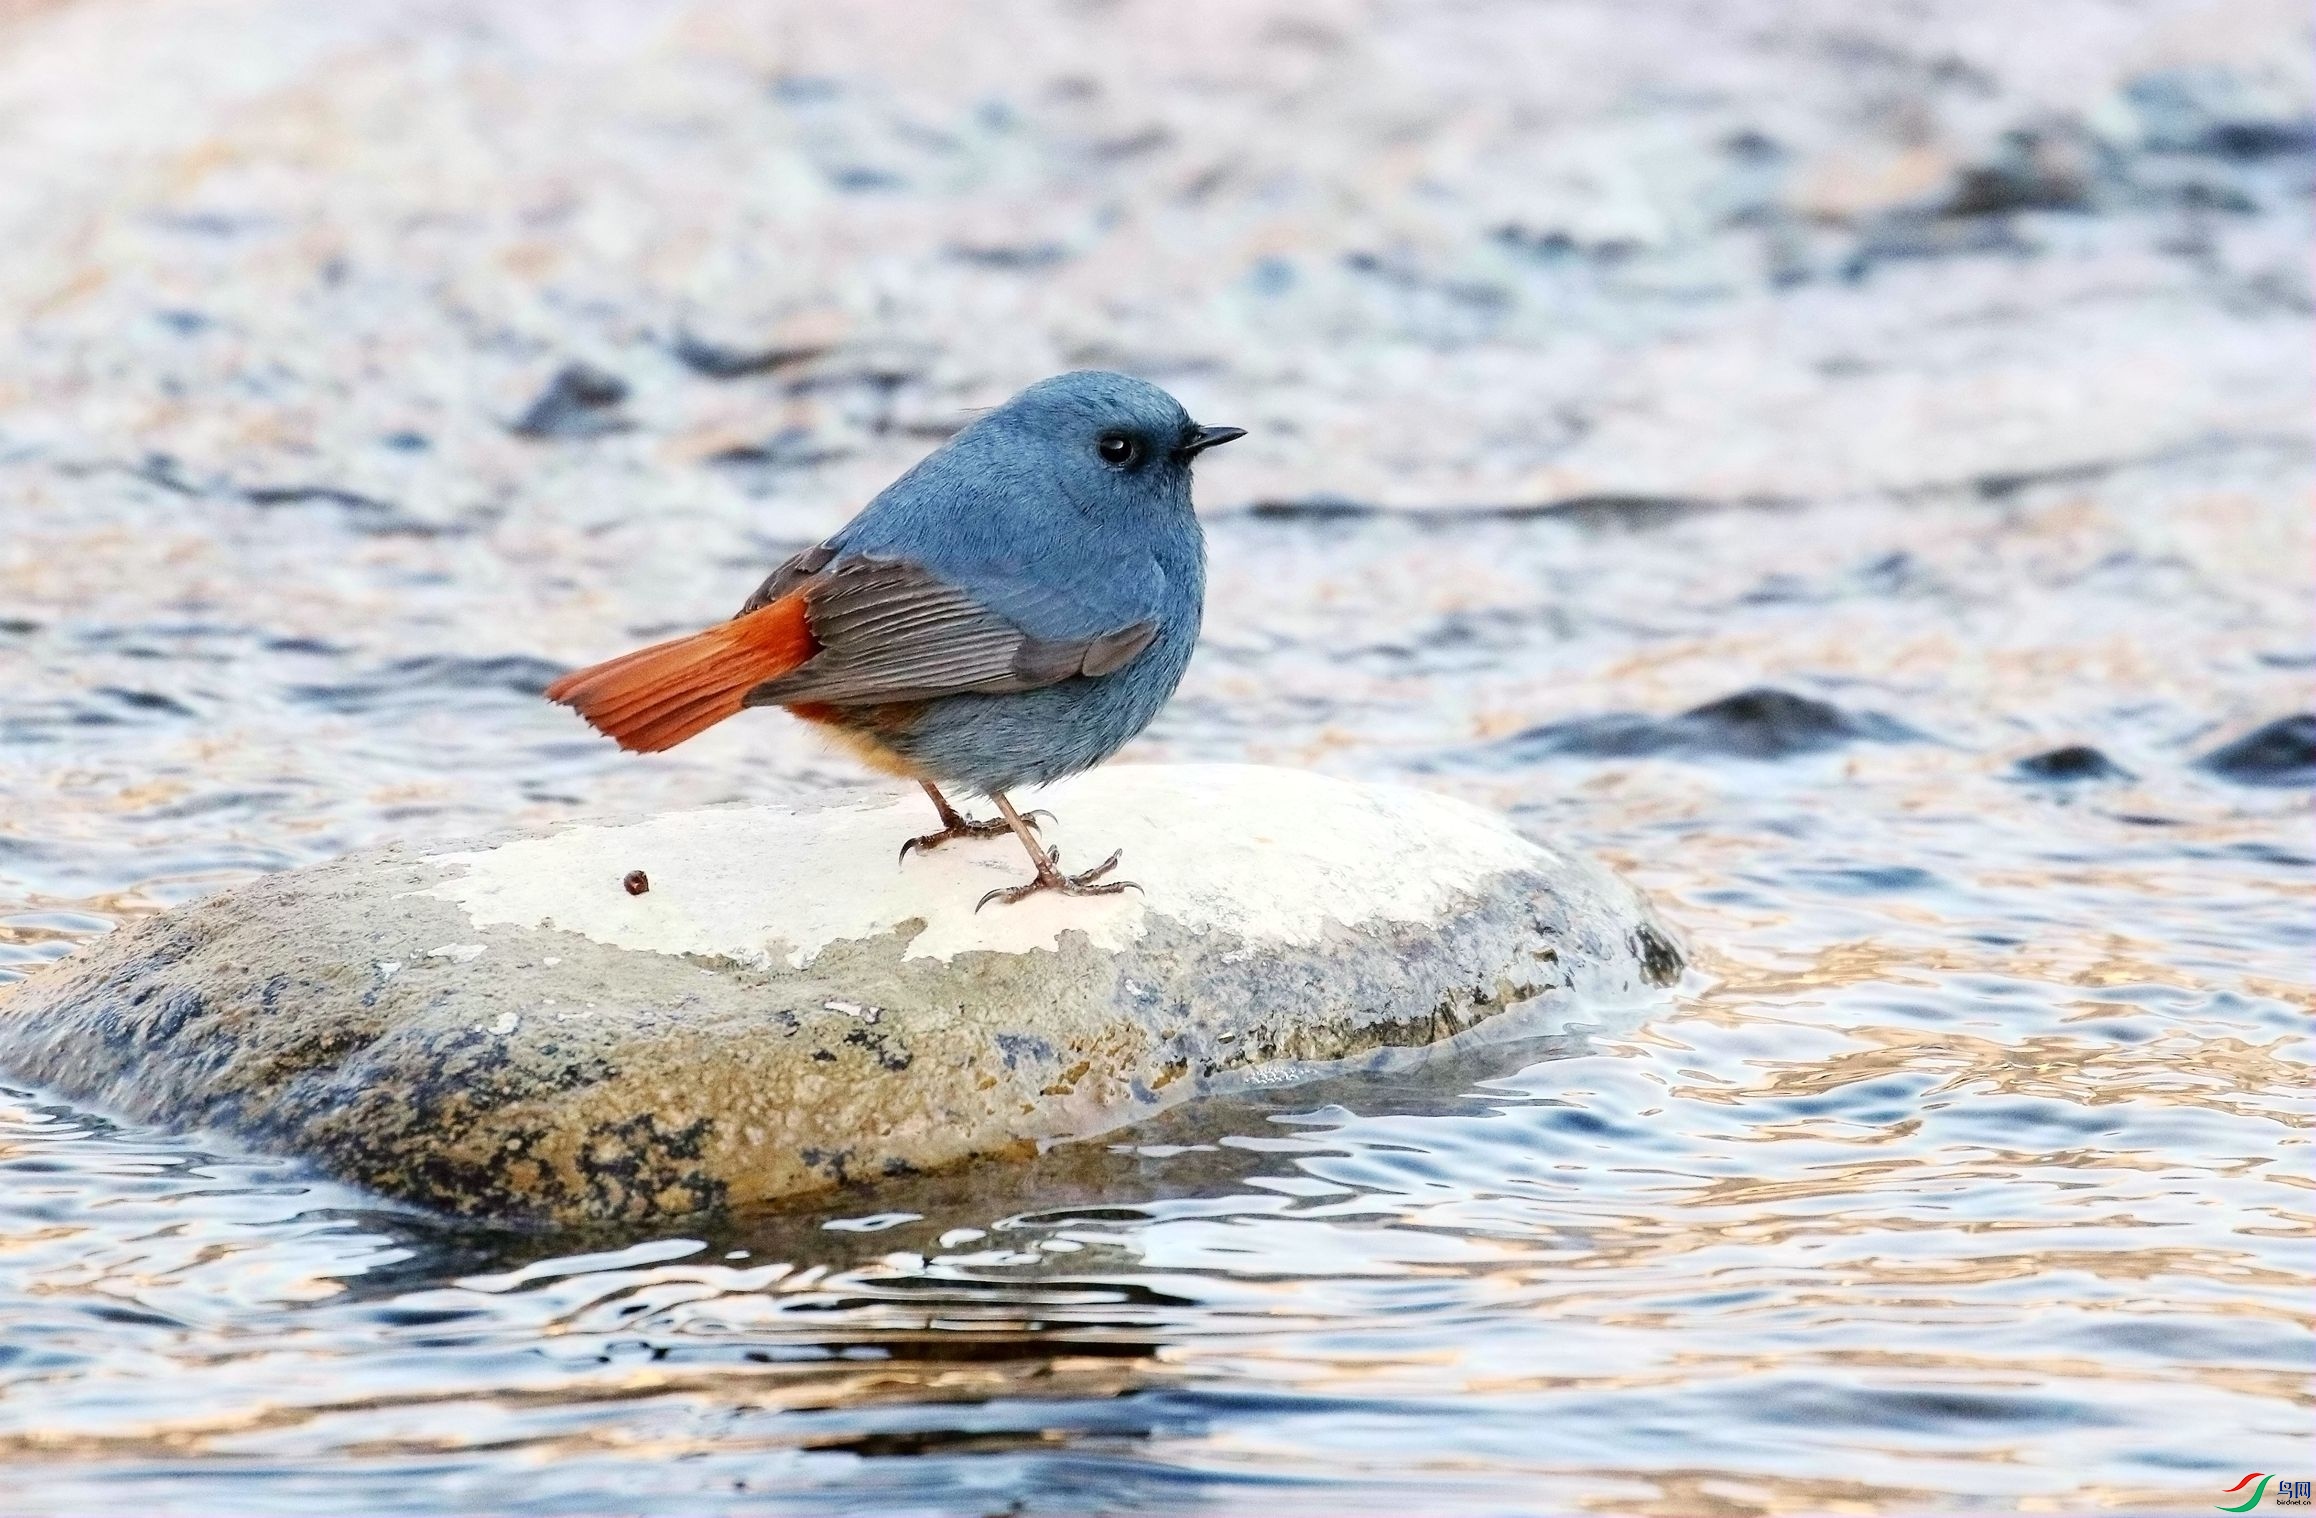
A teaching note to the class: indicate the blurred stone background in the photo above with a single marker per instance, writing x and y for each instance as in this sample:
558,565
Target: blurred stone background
1475,254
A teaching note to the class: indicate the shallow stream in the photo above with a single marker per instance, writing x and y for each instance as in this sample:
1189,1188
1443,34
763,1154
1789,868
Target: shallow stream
1846,466
1969,1164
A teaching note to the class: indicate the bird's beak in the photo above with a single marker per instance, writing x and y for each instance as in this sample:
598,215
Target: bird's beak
1205,438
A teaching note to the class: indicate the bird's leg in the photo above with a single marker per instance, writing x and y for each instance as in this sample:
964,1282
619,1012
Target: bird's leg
955,825
1048,861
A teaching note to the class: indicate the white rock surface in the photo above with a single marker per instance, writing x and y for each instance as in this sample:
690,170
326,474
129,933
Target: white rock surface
1270,855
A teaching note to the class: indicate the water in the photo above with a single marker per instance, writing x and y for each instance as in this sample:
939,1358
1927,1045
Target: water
1967,1169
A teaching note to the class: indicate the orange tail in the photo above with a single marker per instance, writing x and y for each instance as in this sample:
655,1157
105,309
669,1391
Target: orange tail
656,697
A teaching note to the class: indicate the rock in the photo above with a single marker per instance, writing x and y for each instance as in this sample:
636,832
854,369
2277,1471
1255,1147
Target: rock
580,401
2075,761
1762,723
2281,753
2229,113
507,1030
721,361
2048,167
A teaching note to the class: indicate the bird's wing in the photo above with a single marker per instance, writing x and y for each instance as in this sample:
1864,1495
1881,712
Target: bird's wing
889,630
798,569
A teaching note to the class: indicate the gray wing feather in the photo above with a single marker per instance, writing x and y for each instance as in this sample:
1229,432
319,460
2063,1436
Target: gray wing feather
1116,650
799,568
890,631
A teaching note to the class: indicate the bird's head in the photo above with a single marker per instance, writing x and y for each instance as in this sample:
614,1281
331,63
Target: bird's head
1109,439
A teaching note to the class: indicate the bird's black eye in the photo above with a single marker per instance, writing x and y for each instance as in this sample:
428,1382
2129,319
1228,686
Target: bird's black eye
1119,449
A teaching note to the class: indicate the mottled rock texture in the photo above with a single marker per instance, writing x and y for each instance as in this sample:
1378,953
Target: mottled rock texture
508,1031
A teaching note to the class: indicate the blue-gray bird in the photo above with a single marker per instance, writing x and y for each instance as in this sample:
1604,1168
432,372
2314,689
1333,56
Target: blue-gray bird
1010,611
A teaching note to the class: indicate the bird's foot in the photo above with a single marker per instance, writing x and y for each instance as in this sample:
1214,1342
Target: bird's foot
965,827
1050,878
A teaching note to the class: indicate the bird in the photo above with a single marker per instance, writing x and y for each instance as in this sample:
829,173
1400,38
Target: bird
1011,610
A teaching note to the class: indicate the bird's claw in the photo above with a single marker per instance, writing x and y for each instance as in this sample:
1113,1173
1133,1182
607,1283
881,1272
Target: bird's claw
961,828
1050,878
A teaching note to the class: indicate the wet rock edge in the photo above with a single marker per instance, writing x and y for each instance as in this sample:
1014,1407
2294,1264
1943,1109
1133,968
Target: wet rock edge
555,1080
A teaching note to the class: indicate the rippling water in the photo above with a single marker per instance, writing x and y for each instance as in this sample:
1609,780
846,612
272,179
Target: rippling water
1968,1168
